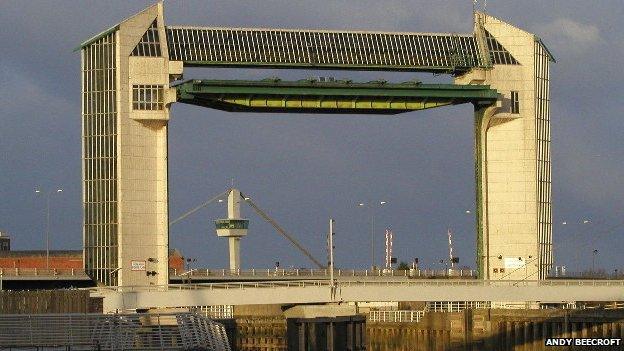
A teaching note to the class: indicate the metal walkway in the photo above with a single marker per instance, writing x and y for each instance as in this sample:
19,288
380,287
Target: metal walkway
325,49
171,331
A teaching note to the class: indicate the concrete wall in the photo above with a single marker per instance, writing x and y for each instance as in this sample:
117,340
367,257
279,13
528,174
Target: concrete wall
48,301
470,330
71,260
495,330
66,261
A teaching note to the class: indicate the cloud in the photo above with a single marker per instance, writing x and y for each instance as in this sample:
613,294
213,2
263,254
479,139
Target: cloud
570,36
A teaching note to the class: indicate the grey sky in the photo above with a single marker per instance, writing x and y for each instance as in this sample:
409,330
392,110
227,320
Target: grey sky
305,168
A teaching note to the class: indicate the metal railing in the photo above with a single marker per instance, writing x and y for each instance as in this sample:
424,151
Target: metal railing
616,305
217,286
215,312
30,272
142,331
455,306
304,272
365,283
494,283
589,274
395,316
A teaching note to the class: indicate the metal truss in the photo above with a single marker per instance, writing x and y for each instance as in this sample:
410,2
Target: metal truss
437,52
311,96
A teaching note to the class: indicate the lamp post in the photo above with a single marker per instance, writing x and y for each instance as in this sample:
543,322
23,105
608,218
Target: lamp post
371,206
594,253
578,228
48,223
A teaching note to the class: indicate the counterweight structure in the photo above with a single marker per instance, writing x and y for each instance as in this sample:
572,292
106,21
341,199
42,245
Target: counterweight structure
127,94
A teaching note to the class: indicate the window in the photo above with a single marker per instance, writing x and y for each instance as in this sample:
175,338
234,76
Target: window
498,54
149,44
99,132
515,103
147,97
232,224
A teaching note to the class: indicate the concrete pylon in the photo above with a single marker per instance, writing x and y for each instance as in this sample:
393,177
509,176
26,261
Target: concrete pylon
512,155
233,228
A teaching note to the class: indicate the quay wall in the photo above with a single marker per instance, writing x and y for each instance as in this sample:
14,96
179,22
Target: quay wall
49,301
469,330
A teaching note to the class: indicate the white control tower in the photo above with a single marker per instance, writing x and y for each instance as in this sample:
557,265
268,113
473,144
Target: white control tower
234,228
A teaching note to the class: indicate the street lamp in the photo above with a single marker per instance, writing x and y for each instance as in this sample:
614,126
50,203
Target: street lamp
48,222
371,206
595,252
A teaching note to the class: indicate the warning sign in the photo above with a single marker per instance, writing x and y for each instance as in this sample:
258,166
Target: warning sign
138,265
514,262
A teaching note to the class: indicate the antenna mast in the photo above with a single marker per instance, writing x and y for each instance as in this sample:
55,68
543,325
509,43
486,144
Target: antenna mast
450,243
475,5
388,248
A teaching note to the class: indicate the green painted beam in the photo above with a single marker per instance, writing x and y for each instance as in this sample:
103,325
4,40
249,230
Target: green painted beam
310,96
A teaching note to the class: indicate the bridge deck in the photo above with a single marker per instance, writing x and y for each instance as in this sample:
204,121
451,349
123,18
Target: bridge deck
292,292
313,96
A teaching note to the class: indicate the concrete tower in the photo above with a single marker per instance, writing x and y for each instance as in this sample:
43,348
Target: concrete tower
125,113
233,228
512,168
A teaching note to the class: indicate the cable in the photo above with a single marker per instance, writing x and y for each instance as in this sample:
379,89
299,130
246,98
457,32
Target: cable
281,231
198,208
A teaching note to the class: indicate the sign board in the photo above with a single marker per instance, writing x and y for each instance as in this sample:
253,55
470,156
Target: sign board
137,265
514,262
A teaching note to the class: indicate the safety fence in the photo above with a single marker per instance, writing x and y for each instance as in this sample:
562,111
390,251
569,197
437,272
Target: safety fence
304,272
29,272
398,316
141,331
215,312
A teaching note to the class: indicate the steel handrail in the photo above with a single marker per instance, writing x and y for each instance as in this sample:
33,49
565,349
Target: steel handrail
31,272
363,283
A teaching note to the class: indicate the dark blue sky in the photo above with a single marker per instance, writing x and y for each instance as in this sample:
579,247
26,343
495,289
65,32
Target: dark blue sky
303,169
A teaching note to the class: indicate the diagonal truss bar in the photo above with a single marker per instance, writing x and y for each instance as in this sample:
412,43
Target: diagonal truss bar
311,96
